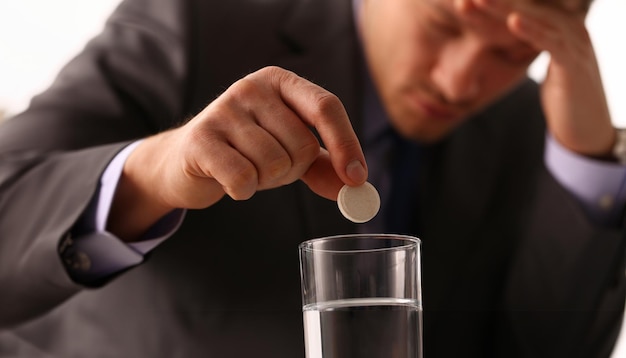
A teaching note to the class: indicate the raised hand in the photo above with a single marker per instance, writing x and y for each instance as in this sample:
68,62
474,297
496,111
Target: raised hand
255,136
572,94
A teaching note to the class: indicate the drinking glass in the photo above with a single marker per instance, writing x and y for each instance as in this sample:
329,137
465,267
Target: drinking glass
362,296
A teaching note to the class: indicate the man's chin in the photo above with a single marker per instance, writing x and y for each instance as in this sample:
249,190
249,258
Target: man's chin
429,137
424,130
425,135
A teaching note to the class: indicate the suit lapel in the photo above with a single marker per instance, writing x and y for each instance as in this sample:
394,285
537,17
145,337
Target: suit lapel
324,49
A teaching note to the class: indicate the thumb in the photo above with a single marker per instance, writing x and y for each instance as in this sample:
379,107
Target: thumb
322,178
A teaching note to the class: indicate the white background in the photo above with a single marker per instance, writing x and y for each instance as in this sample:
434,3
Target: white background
38,36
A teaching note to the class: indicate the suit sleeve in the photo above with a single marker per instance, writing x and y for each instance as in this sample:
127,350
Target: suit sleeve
126,84
566,289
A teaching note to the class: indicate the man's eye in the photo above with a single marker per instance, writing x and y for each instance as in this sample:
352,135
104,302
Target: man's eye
513,56
445,28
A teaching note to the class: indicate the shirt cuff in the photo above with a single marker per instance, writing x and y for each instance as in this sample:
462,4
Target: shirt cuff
598,185
94,253
110,178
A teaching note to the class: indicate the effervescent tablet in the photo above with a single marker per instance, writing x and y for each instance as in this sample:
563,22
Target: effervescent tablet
359,203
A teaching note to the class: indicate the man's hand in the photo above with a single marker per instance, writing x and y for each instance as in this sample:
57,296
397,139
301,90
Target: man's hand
572,94
255,136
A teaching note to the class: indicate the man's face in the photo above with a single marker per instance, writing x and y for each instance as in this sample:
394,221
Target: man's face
434,66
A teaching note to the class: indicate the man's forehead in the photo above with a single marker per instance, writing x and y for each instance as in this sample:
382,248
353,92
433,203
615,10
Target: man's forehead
446,9
486,26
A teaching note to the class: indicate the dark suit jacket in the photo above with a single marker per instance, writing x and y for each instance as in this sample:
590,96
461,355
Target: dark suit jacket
511,265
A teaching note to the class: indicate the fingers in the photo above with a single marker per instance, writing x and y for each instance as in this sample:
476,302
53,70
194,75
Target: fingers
236,174
249,141
268,133
539,34
492,8
257,136
559,30
319,177
566,41
572,93
324,111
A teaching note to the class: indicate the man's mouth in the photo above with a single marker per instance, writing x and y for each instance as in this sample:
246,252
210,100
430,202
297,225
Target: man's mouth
432,108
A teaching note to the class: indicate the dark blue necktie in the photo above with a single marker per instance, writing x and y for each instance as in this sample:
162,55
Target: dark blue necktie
400,211
393,163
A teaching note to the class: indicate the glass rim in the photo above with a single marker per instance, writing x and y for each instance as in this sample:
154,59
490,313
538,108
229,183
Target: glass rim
412,241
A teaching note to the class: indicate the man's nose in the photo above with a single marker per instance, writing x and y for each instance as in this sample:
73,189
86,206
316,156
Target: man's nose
458,71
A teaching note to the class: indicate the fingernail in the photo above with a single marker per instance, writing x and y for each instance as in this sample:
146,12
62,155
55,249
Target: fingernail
356,171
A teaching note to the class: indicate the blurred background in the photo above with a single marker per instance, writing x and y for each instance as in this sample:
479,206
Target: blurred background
38,36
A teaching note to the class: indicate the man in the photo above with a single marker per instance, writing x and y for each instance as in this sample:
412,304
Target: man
517,260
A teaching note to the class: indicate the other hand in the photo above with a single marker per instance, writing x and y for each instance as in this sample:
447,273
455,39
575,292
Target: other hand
255,136
572,94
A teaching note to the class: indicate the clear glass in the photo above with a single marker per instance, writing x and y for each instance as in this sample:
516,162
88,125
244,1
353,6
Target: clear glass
362,296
